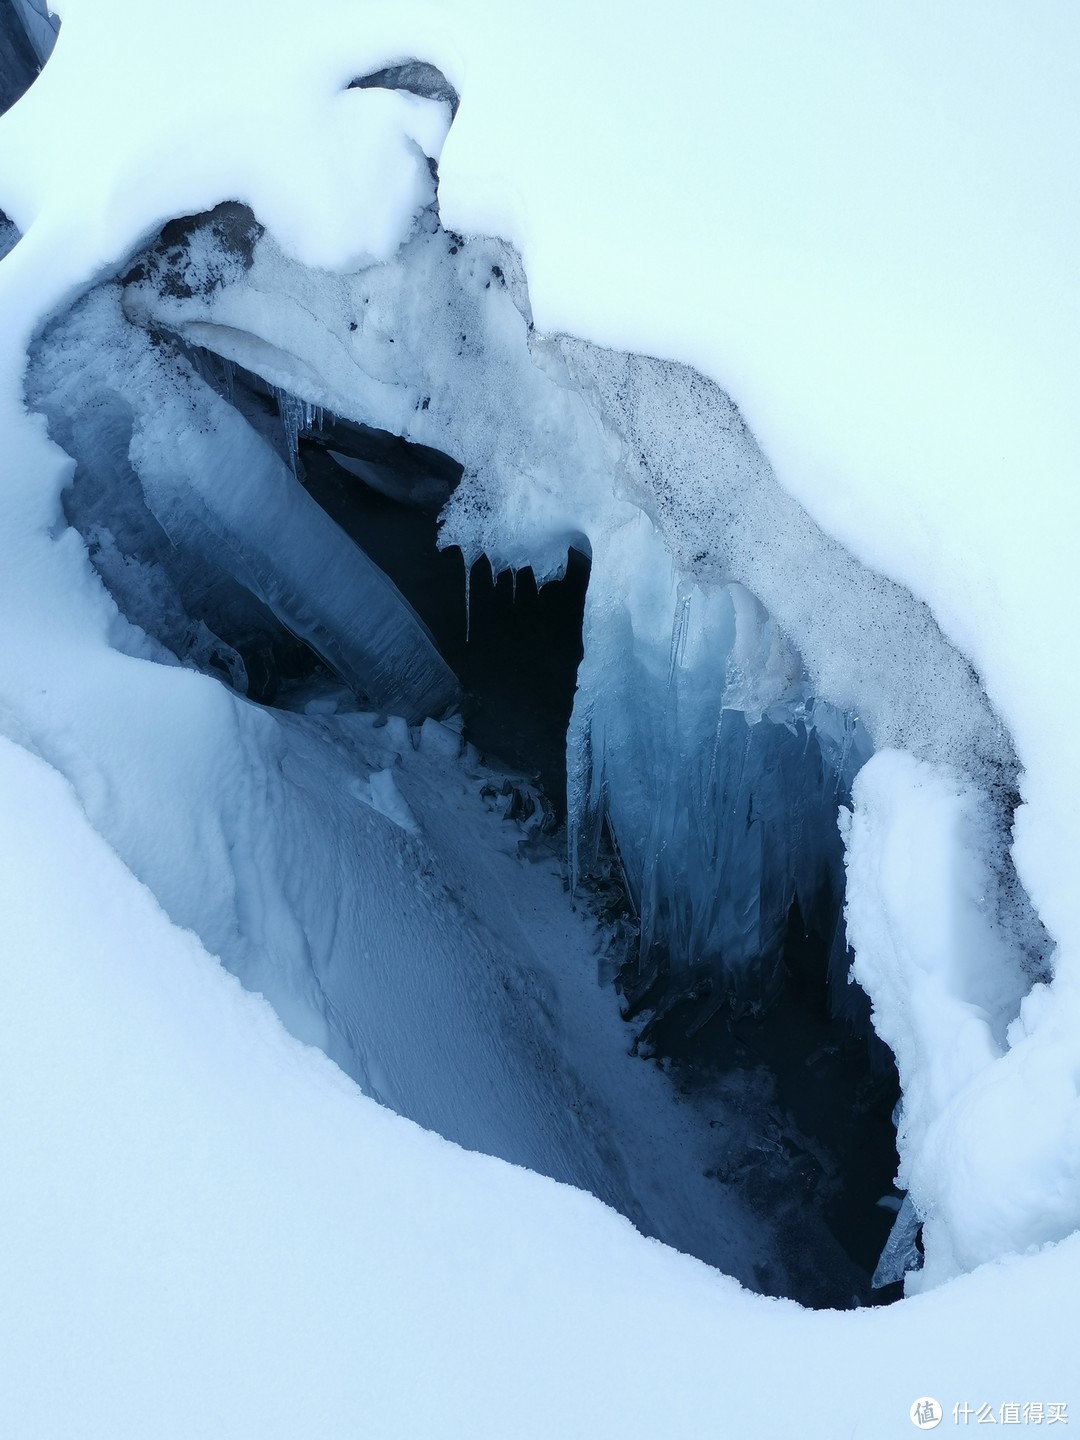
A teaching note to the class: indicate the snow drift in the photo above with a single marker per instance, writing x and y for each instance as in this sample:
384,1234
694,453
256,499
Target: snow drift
745,620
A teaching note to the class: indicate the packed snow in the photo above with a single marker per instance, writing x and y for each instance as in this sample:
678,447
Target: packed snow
209,1231
854,224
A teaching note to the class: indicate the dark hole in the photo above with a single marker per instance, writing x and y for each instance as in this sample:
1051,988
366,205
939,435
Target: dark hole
815,1088
818,1090
518,664
820,1150
826,1112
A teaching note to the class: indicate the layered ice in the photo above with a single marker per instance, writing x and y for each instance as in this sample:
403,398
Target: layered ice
225,501
697,740
28,32
706,665
40,24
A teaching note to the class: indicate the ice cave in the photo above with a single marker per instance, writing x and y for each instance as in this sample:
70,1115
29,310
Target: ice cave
539,797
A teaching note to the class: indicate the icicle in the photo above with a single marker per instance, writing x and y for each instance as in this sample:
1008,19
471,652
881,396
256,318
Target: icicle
296,417
230,378
468,576
678,635
513,585
901,1252
287,410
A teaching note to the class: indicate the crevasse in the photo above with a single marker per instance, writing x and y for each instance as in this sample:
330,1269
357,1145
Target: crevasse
739,666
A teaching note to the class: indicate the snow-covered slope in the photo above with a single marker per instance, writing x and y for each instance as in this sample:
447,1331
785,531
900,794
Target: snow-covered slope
208,1231
853,221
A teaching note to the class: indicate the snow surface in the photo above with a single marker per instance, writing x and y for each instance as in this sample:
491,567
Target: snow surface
208,1231
855,220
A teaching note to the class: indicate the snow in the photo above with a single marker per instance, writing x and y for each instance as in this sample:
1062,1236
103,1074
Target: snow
218,1235
946,987
855,221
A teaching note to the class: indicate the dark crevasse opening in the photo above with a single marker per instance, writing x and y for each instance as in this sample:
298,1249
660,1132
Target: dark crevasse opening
817,1086
514,647
798,1056
812,1149
817,1089
820,1092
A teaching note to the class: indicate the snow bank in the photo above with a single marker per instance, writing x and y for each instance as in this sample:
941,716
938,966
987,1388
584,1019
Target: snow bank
989,1137
218,1235
856,223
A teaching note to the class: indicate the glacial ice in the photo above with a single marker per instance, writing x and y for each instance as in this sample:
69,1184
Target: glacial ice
221,494
40,24
18,66
720,719
722,714
696,738
27,34
708,673
900,1256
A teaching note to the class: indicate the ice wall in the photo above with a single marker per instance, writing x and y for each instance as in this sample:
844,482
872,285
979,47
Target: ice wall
18,62
650,469
696,738
40,24
211,487
563,442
